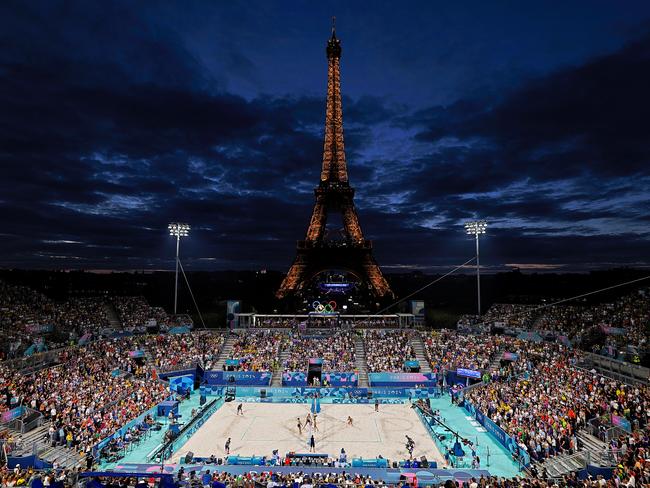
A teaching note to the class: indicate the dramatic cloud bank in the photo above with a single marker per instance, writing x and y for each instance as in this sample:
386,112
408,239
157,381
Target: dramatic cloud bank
116,121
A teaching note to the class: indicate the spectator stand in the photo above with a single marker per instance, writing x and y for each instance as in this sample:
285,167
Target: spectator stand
323,319
93,479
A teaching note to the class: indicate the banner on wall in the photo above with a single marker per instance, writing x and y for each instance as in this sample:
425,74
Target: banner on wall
510,443
260,378
304,394
468,373
510,356
403,379
621,422
180,372
12,414
612,330
39,328
417,308
124,429
233,307
181,383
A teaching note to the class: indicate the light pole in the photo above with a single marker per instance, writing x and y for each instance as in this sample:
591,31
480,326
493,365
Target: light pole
476,228
177,230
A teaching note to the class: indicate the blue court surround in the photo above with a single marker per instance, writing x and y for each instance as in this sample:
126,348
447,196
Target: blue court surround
464,422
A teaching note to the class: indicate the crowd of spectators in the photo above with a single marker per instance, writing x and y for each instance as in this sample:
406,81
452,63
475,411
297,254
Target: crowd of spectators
298,479
28,317
542,399
544,408
380,322
86,397
277,322
182,351
621,323
560,319
511,315
447,350
346,322
136,313
81,316
387,350
31,320
336,350
258,350
631,456
216,478
27,476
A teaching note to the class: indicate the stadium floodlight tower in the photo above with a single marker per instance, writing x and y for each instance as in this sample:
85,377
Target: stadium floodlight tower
177,230
476,228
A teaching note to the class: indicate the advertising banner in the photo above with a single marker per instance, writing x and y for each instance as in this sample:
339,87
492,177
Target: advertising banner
260,378
417,308
468,373
412,364
304,394
233,307
340,378
402,379
12,414
621,422
612,330
181,383
180,372
510,443
39,328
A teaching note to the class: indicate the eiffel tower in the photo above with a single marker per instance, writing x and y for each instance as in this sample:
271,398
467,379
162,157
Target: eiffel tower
334,194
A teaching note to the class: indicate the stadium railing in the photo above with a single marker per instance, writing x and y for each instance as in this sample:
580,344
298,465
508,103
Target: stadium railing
37,361
619,370
602,429
166,449
29,419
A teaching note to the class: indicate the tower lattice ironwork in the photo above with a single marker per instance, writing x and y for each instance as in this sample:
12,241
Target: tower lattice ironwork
334,194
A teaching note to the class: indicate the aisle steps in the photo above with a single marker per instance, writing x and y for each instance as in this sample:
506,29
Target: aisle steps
276,381
495,364
564,464
360,364
597,450
225,351
112,316
420,353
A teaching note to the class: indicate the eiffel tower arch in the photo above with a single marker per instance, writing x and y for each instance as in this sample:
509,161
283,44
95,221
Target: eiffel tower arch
316,253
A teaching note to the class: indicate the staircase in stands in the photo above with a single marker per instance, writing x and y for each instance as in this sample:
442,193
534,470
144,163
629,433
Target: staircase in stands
112,316
591,451
495,364
420,352
36,441
360,364
596,450
226,349
276,381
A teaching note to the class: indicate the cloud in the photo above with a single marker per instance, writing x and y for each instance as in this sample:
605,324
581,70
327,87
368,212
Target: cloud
112,129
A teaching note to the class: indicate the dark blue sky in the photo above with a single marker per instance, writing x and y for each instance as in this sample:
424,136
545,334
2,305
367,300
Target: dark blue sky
117,117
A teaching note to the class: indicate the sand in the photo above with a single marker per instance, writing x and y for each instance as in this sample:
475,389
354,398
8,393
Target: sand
267,426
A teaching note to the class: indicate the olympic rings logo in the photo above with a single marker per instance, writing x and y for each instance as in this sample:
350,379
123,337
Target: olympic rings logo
328,307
